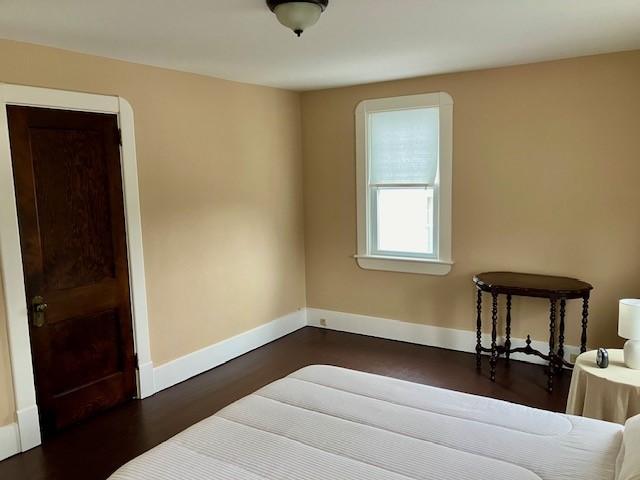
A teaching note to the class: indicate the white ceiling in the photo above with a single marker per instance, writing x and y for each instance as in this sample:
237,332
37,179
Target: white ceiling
355,41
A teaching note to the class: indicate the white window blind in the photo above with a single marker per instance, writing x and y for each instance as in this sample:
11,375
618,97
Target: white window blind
404,146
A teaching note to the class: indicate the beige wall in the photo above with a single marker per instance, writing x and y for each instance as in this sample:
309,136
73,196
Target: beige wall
546,166
220,175
546,173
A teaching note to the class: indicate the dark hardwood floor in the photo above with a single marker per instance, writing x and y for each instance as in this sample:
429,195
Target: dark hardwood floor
96,448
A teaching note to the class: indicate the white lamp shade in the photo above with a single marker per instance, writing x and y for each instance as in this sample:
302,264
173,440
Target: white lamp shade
629,318
298,16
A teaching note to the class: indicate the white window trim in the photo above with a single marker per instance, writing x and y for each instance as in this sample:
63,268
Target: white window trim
11,256
441,265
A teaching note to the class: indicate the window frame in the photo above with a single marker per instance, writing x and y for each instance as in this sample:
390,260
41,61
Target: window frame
367,256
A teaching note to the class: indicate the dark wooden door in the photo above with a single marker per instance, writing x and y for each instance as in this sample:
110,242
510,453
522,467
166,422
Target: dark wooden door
71,217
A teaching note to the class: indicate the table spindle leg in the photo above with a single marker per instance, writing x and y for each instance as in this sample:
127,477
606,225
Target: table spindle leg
563,305
552,342
479,331
507,343
585,315
494,336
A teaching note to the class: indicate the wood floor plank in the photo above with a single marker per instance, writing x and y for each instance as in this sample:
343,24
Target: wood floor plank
95,448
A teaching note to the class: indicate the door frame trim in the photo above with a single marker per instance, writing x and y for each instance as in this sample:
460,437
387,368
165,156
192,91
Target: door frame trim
11,257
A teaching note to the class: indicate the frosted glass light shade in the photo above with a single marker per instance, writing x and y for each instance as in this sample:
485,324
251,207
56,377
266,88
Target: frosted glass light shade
298,16
404,146
629,318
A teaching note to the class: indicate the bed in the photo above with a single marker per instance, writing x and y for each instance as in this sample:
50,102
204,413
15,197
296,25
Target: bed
325,422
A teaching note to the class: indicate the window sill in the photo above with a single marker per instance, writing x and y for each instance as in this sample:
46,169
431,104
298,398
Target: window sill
403,264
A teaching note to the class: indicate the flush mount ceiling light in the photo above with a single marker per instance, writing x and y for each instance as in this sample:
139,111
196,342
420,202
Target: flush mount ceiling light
298,15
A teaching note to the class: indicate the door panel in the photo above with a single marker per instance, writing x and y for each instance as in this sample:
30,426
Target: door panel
71,217
73,207
83,350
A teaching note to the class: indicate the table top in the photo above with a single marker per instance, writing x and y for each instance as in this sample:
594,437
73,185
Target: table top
532,285
616,372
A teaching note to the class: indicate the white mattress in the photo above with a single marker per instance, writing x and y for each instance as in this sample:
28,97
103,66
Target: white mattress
325,422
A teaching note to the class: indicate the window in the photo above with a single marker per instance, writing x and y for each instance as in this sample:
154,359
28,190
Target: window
403,150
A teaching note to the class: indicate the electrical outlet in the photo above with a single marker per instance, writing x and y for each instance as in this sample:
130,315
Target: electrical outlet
323,322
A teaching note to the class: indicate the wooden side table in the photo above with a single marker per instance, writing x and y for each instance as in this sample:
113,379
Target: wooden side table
611,394
556,289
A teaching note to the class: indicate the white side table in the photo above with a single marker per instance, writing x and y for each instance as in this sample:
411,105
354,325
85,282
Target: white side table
611,394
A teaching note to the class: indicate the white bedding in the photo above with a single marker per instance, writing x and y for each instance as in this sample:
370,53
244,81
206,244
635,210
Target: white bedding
325,422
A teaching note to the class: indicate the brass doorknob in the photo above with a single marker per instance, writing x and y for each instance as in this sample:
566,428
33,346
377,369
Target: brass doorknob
38,308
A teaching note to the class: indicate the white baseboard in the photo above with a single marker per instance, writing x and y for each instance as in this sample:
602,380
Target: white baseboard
146,382
449,338
207,358
9,441
190,365
28,428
